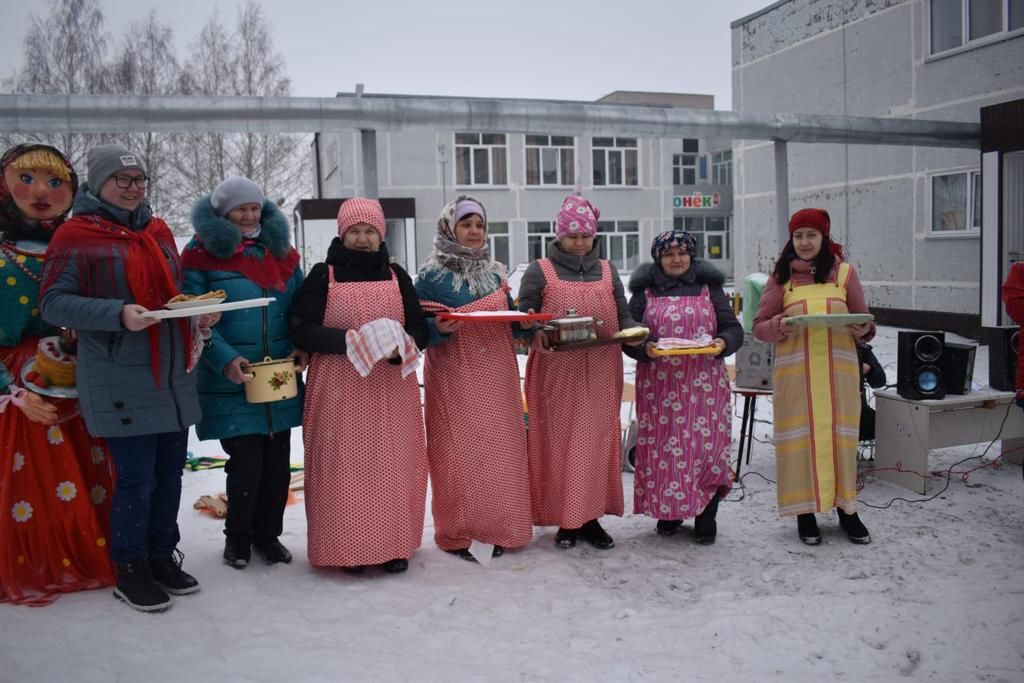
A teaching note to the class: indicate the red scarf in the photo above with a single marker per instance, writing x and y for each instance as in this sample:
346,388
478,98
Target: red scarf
252,259
149,259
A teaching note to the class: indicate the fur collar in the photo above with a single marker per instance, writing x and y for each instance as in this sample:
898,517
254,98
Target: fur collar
701,272
221,238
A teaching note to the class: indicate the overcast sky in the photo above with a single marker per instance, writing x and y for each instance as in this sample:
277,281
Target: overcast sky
558,49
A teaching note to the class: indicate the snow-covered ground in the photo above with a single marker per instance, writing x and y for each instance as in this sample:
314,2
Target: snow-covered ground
938,595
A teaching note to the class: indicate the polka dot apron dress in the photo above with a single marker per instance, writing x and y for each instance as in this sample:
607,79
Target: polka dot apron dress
684,415
476,438
365,454
574,399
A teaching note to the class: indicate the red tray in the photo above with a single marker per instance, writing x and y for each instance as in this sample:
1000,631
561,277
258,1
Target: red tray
495,316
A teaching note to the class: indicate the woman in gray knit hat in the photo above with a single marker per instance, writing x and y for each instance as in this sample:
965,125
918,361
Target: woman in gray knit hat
241,246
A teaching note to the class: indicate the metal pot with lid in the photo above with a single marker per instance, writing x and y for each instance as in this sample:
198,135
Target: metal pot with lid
572,328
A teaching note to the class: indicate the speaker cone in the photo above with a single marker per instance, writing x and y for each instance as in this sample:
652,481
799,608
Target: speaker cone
928,379
927,348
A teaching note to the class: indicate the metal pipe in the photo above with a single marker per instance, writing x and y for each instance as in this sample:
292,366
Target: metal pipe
781,192
125,113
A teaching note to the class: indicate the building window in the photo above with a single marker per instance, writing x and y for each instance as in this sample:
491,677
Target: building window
721,167
550,160
620,243
615,161
481,159
538,234
713,234
956,202
684,169
959,22
497,240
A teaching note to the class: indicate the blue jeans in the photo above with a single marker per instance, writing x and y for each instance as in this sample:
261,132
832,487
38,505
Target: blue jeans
144,508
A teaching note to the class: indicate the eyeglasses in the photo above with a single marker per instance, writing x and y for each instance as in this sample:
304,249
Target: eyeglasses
125,181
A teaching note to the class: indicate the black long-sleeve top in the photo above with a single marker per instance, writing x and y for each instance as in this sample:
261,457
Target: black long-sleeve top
306,324
690,283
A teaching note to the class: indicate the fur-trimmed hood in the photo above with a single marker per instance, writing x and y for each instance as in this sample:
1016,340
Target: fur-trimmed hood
701,272
221,238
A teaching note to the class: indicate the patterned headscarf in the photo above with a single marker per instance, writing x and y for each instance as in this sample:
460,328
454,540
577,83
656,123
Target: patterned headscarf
10,215
577,215
467,265
673,238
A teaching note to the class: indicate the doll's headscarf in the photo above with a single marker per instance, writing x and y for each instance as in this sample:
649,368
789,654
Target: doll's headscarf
41,156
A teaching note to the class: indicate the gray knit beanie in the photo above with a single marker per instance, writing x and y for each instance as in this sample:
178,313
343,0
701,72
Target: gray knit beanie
233,192
106,160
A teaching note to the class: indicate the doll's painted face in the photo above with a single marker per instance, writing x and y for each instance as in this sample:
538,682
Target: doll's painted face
37,192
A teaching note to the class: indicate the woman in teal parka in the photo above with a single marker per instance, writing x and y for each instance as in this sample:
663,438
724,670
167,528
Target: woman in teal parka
241,245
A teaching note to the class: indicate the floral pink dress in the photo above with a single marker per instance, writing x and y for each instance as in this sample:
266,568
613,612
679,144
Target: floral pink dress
684,415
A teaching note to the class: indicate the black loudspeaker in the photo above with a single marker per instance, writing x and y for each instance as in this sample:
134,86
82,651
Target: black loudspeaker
957,365
918,365
1002,358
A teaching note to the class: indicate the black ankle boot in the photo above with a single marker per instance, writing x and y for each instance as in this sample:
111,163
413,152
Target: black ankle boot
463,553
854,528
704,525
273,552
566,538
237,553
136,588
668,527
592,533
807,527
168,574
396,566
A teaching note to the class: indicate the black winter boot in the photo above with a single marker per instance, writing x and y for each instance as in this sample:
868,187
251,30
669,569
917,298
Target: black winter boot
807,527
273,552
237,554
396,566
704,525
668,527
592,533
566,538
168,574
854,528
136,588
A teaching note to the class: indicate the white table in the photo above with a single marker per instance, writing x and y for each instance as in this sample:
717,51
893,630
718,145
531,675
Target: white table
905,430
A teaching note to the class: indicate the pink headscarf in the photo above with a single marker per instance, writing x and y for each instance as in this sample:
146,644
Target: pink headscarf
361,210
576,216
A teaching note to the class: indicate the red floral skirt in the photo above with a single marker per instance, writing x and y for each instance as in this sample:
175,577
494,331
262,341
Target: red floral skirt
56,484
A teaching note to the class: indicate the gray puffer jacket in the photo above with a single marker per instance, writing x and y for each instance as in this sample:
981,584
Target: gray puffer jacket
572,269
117,392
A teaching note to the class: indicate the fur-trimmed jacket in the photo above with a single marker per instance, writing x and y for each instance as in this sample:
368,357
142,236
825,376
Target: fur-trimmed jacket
218,257
649,277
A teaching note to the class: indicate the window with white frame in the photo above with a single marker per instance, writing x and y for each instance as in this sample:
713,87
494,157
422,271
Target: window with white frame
615,161
538,234
497,239
956,202
721,167
620,243
960,22
481,159
713,234
550,160
684,166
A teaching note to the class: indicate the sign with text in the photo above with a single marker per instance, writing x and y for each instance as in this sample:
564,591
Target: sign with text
697,200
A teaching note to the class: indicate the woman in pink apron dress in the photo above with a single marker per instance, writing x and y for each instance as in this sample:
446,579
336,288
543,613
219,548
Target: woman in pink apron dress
816,377
573,397
476,437
683,402
365,455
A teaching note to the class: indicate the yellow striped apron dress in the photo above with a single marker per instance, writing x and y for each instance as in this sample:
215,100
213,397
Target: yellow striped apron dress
816,405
